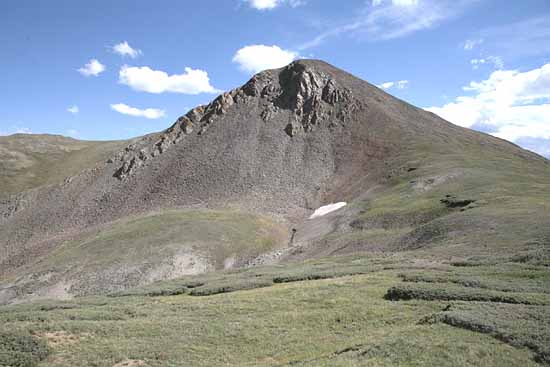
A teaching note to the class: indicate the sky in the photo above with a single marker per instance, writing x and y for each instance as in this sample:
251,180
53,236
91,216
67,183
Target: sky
104,69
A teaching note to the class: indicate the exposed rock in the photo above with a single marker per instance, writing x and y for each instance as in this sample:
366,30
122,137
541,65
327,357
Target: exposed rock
292,129
313,96
453,202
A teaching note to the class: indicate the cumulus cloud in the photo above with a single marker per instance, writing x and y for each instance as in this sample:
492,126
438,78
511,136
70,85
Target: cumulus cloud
145,79
92,68
510,104
256,58
150,113
124,49
73,109
401,84
390,19
272,4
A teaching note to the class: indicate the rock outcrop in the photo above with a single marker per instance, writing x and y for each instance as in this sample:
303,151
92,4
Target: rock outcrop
313,97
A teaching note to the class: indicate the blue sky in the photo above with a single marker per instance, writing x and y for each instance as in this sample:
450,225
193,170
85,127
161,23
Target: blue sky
108,69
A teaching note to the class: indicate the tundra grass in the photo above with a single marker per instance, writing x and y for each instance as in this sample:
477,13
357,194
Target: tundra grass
343,320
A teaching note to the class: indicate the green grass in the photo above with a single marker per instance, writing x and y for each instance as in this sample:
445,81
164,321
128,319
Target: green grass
215,233
19,349
279,316
257,277
511,277
164,245
518,325
452,292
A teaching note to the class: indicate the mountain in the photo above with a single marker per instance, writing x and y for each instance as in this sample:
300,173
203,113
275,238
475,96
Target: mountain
232,184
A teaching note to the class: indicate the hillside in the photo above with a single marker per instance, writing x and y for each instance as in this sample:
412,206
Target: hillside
253,165
28,161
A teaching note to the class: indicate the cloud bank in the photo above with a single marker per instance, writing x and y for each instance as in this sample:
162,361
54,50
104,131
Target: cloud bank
510,104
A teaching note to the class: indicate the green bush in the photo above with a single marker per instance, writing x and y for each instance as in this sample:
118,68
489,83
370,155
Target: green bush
21,350
450,292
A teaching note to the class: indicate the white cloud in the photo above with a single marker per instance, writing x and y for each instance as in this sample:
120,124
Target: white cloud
510,104
494,60
471,44
193,81
401,84
272,4
396,2
150,113
124,49
256,58
94,68
389,19
73,109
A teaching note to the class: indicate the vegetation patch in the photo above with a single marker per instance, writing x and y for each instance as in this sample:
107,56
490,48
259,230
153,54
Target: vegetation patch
451,292
518,325
510,277
21,350
250,278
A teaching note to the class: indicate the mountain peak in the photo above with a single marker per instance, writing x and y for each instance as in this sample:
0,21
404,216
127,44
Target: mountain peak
308,89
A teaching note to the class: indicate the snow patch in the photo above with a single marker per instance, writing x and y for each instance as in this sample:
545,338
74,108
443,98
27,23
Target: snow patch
327,209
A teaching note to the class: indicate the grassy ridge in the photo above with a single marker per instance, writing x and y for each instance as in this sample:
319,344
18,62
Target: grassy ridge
28,161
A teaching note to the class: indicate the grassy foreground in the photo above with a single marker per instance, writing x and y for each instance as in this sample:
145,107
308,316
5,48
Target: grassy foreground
287,316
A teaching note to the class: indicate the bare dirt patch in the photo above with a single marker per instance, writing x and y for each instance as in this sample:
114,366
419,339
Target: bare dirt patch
55,338
130,363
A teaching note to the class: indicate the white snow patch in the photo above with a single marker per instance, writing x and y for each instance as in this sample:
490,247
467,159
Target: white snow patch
327,209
